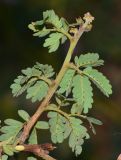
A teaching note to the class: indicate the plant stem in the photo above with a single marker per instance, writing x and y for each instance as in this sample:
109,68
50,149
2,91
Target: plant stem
73,42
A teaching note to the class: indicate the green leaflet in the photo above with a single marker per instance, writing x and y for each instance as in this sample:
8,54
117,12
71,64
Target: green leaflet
4,157
66,82
59,127
53,41
89,59
42,32
8,149
42,125
76,109
78,133
24,115
38,91
99,80
31,158
33,137
82,92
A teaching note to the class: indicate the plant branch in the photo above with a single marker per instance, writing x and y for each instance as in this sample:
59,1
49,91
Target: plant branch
42,107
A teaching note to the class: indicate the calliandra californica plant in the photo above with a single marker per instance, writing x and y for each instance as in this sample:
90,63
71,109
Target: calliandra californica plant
65,97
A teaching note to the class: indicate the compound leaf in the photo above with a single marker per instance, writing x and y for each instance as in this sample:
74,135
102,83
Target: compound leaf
58,127
49,16
37,91
82,92
53,25
31,77
89,59
66,82
53,41
99,80
7,130
78,133
46,69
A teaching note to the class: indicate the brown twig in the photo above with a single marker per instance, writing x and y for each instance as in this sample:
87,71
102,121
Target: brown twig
39,150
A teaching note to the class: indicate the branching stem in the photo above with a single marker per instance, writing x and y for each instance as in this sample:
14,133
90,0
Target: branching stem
42,107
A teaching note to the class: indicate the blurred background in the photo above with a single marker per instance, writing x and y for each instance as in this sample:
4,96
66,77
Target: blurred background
19,49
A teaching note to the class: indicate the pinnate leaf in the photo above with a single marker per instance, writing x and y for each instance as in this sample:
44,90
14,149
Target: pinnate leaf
53,41
66,82
38,91
82,92
99,80
77,136
11,129
46,69
58,127
49,16
89,59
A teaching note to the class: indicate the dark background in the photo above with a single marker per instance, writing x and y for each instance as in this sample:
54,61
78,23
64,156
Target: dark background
19,49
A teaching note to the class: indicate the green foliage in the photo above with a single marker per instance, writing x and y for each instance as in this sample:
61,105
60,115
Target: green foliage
24,115
10,130
77,81
33,137
38,91
71,88
99,80
53,41
4,157
57,123
82,92
31,158
66,82
42,125
63,127
77,136
33,80
89,59
58,29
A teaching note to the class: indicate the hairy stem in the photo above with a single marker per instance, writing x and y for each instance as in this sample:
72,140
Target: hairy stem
73,42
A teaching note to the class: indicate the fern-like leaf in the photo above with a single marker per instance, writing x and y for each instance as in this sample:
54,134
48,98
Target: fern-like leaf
11,129
77,136
99,80
37,91
59,127
31,78
66,82
82,92
53,41
89,59
57,30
